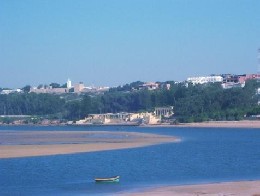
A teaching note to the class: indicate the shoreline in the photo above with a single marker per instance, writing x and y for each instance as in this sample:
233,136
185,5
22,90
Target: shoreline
215,124
234,188
208,124
15,144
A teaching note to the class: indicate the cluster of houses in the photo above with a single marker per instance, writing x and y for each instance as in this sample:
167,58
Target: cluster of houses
160,114
226,80
76,88
68,88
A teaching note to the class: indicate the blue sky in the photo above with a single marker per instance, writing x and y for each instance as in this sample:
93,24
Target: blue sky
113,42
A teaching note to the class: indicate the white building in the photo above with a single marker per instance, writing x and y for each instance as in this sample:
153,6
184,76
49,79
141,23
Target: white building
229,85
149,86
8,91
205,79
69,84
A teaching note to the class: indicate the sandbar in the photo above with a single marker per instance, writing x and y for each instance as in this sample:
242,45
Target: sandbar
39,143
243,188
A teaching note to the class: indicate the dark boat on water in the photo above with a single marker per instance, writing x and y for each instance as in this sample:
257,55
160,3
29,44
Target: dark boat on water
111,179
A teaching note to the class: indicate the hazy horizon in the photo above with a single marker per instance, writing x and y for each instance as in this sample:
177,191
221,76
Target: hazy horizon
112,42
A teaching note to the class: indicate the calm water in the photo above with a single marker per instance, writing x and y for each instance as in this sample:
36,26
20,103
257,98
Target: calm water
204,155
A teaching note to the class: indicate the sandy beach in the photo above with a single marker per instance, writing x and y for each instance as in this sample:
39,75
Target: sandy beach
243,188
32,143
227,124
215,124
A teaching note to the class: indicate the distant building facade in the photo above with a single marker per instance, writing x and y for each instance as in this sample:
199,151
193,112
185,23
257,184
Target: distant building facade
205,79
226,80
231,80
49,90
228,85
164,111
8,91
149,86
129,118
79,87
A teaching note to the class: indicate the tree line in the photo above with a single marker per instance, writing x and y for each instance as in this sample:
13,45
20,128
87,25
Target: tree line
192,103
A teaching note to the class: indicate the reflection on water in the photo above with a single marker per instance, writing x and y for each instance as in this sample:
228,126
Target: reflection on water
204,155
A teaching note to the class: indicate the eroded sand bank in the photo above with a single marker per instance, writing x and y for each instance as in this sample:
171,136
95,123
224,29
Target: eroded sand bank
39,143
243,188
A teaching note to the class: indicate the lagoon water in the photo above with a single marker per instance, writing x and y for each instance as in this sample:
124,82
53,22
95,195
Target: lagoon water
204,155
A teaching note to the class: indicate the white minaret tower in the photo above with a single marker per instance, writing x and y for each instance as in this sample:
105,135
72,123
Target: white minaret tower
69,83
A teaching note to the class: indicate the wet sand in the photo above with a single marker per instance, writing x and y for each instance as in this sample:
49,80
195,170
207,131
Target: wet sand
243,188
39,143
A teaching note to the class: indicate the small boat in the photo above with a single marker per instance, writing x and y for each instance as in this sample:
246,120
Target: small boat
111,179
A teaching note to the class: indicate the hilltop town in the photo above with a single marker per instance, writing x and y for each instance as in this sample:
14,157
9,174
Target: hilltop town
226,80
196,99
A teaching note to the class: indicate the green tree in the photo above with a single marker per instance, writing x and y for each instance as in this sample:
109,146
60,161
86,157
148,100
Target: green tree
26,89
55,85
